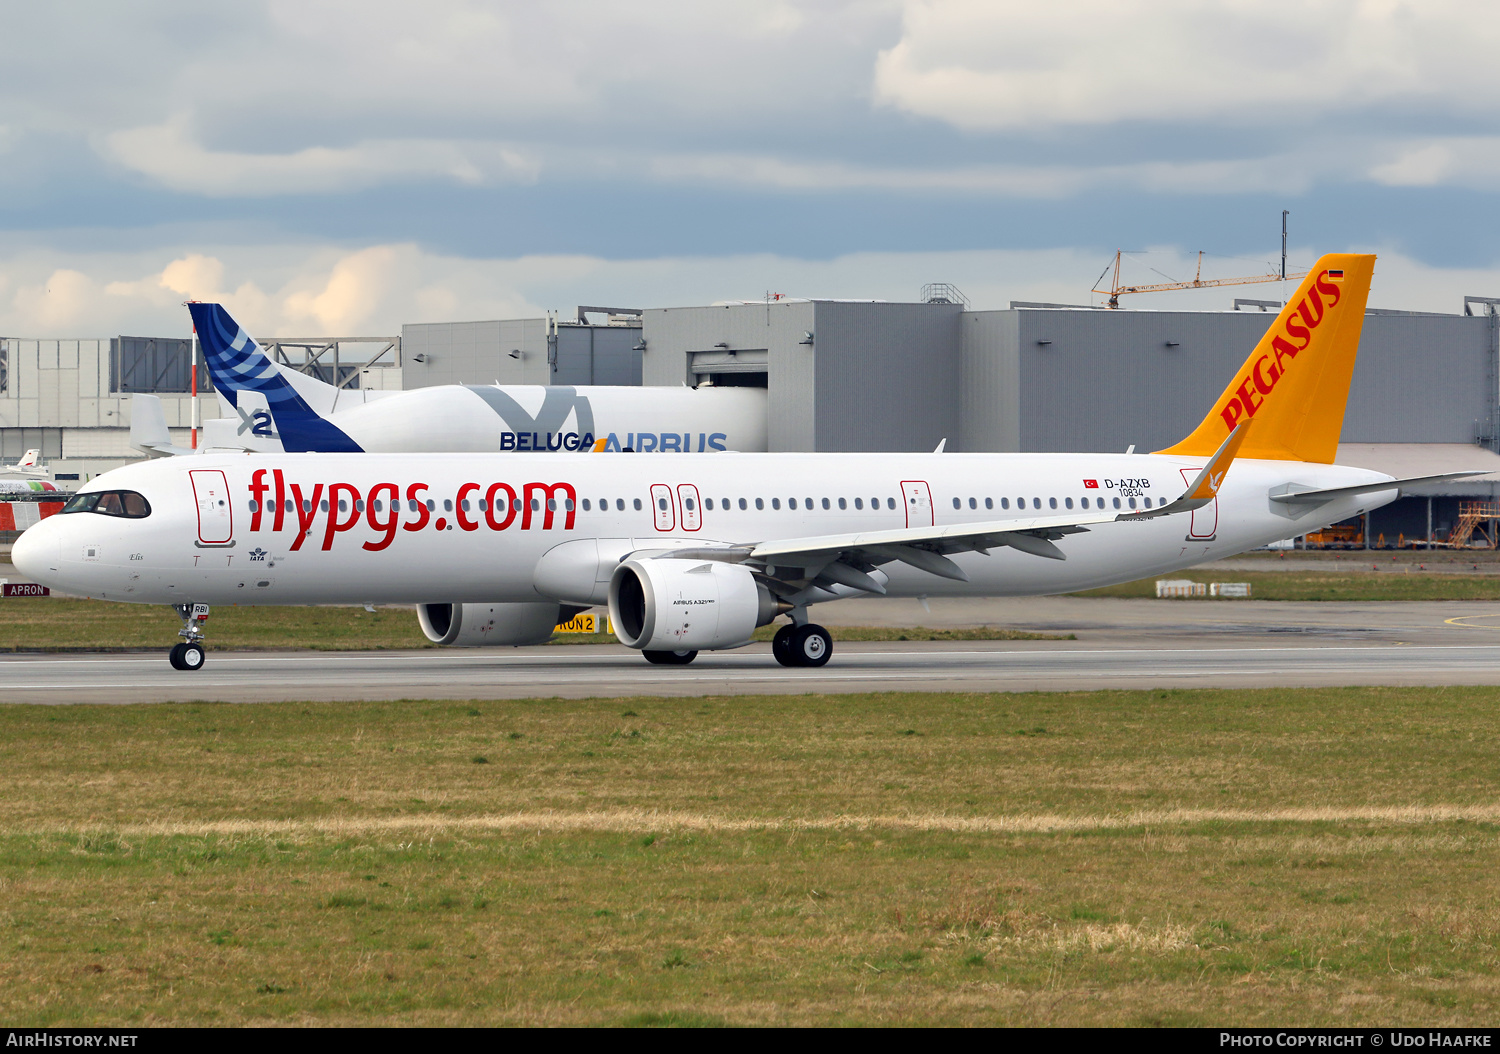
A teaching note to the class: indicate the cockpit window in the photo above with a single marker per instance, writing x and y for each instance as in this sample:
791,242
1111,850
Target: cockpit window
124,503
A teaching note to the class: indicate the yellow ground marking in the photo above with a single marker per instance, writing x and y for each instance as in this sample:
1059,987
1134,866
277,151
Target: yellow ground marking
646,820
1463,620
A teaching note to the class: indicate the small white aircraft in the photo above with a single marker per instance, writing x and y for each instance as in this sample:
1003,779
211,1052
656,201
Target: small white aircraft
29,465
269,407
693,554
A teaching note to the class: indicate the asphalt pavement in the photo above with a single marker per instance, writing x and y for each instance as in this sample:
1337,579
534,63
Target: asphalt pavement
1120,644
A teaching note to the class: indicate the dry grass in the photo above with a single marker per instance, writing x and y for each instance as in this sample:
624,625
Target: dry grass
1319,857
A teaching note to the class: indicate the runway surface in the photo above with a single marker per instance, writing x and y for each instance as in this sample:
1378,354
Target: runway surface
1121,644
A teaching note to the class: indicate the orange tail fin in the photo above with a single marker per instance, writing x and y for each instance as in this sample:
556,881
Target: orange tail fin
1295,384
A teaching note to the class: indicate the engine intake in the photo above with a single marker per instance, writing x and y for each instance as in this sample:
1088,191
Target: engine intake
666,604
489,625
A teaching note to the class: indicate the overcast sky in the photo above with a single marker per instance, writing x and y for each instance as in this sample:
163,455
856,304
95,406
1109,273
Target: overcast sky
330,166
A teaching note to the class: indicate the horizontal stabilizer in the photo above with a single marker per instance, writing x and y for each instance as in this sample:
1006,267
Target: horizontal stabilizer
1294,495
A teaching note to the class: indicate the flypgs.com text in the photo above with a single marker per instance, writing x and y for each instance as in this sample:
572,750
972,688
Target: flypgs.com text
496,506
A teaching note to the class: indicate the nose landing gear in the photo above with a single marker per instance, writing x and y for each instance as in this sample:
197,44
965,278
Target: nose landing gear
190,654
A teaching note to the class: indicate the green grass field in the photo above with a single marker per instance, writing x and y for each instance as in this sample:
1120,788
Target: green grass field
1290,857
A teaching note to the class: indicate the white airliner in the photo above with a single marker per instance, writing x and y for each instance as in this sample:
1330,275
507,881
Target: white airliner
694,554
272,408
29,465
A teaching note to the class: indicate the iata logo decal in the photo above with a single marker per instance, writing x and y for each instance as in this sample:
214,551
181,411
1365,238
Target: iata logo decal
1250,394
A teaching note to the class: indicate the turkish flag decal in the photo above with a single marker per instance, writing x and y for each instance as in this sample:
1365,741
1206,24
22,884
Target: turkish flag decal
1091,484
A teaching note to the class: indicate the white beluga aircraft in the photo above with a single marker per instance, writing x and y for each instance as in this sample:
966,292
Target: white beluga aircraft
269,407
693,554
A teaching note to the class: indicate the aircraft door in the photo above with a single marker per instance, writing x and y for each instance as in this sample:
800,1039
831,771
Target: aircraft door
918,497
692,512
661,507
215,515
1205,520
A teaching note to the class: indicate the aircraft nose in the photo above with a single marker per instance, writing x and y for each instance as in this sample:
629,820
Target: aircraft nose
36,553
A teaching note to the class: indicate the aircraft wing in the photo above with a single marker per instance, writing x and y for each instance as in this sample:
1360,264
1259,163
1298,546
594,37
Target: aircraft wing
848,558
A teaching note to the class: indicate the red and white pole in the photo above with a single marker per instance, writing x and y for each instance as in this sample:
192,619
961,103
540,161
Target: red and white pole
194,373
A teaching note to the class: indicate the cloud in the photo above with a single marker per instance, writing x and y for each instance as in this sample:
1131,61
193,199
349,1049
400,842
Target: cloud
169,155
1292,172
307,291
984,65
1465,161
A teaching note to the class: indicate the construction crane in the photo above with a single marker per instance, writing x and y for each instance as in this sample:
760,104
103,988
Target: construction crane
1116,290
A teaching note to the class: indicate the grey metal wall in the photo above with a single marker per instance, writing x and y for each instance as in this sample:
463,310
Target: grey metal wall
597,355
989,397
1101,380
887,376
1109,379
475,353
674,336
481,353
1420,379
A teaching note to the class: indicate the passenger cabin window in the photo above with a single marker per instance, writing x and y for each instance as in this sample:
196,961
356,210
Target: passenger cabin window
1005,503
989,503
859,503
1068,502
760,503
742,504
890,503
957,504
775,503
637,504
126,504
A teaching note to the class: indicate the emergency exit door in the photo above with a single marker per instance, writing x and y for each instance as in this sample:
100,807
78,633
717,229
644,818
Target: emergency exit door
1205,519
918,498
662,510
215,515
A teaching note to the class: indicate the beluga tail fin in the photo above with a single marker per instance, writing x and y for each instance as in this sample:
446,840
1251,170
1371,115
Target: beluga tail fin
256,387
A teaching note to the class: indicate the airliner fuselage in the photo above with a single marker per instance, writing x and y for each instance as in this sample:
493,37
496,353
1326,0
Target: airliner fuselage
388,528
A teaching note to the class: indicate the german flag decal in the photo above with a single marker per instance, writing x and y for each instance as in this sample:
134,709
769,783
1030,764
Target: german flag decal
1335,276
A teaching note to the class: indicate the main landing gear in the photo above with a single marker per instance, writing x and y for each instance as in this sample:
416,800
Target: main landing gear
809,645
190,654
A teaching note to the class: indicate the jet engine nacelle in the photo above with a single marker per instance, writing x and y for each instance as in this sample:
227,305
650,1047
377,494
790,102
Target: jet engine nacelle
672,604
488,625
